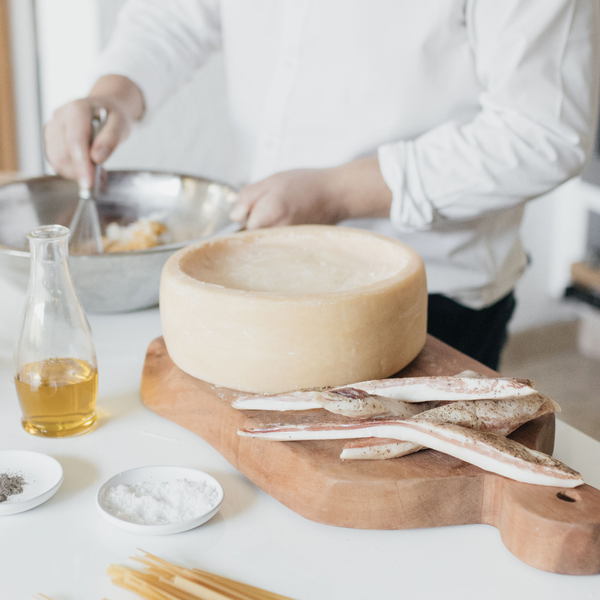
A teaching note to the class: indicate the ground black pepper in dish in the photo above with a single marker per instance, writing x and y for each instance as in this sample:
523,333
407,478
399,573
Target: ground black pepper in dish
10,485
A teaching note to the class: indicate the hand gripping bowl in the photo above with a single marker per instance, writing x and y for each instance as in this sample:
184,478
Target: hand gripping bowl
193,208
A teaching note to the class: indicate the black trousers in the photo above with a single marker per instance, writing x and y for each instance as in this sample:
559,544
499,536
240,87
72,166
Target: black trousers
480,334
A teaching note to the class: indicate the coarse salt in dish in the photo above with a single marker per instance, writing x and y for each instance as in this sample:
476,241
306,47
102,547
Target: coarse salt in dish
163,503
159,500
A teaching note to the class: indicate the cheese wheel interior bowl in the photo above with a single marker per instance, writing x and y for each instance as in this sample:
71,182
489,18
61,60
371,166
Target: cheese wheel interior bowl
287,308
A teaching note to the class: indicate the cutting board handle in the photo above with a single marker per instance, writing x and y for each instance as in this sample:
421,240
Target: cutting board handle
549,528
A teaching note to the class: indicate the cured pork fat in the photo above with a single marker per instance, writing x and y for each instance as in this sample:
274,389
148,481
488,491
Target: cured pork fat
358,404
450,389
485,450
373,448
464,416
404,389
301,400
346,401
500,417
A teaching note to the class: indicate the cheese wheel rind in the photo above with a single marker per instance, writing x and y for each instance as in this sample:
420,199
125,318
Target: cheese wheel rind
274,342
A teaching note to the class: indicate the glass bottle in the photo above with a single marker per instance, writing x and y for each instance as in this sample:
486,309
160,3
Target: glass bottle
56,373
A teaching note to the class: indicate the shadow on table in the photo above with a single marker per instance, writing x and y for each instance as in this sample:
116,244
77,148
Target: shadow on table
114,407
238,494
79,474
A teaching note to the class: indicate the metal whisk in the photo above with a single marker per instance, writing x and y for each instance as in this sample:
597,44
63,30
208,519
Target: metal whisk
86,237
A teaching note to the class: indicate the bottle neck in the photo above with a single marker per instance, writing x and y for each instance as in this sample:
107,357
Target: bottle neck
53,250
49,259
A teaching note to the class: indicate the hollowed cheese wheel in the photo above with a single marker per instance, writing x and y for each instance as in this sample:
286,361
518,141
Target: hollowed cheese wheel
286,308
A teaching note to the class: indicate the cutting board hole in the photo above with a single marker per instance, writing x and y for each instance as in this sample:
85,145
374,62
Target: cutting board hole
568,496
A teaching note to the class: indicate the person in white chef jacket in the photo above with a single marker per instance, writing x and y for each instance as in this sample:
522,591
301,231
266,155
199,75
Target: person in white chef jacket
432,121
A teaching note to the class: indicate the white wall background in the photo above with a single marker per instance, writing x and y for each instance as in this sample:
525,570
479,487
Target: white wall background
190,134
68,40
537,304
25,73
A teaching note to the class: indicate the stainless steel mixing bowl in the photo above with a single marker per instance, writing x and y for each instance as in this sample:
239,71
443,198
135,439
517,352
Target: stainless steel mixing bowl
193,208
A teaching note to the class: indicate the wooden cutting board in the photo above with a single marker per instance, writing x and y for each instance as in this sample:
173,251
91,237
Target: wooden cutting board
548,528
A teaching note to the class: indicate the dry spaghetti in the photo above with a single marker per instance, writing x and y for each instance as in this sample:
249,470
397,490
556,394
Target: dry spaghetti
161,580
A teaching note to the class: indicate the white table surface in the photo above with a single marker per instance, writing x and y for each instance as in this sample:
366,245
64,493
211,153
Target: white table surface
63,547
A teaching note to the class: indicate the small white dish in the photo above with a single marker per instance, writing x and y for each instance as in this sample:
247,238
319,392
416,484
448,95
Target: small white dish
43,476
159,474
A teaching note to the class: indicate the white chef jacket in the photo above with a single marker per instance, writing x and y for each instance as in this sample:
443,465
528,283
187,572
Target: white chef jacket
473,106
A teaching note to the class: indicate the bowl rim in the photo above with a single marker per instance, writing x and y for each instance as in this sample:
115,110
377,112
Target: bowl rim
164,528
233,227
35,462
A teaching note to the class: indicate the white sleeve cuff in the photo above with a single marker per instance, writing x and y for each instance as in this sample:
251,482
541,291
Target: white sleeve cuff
411,211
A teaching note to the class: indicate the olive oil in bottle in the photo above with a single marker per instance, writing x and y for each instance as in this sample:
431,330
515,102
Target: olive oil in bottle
57,396
56,373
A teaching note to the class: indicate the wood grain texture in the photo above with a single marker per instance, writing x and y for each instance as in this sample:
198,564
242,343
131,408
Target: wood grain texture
542,526
8,135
